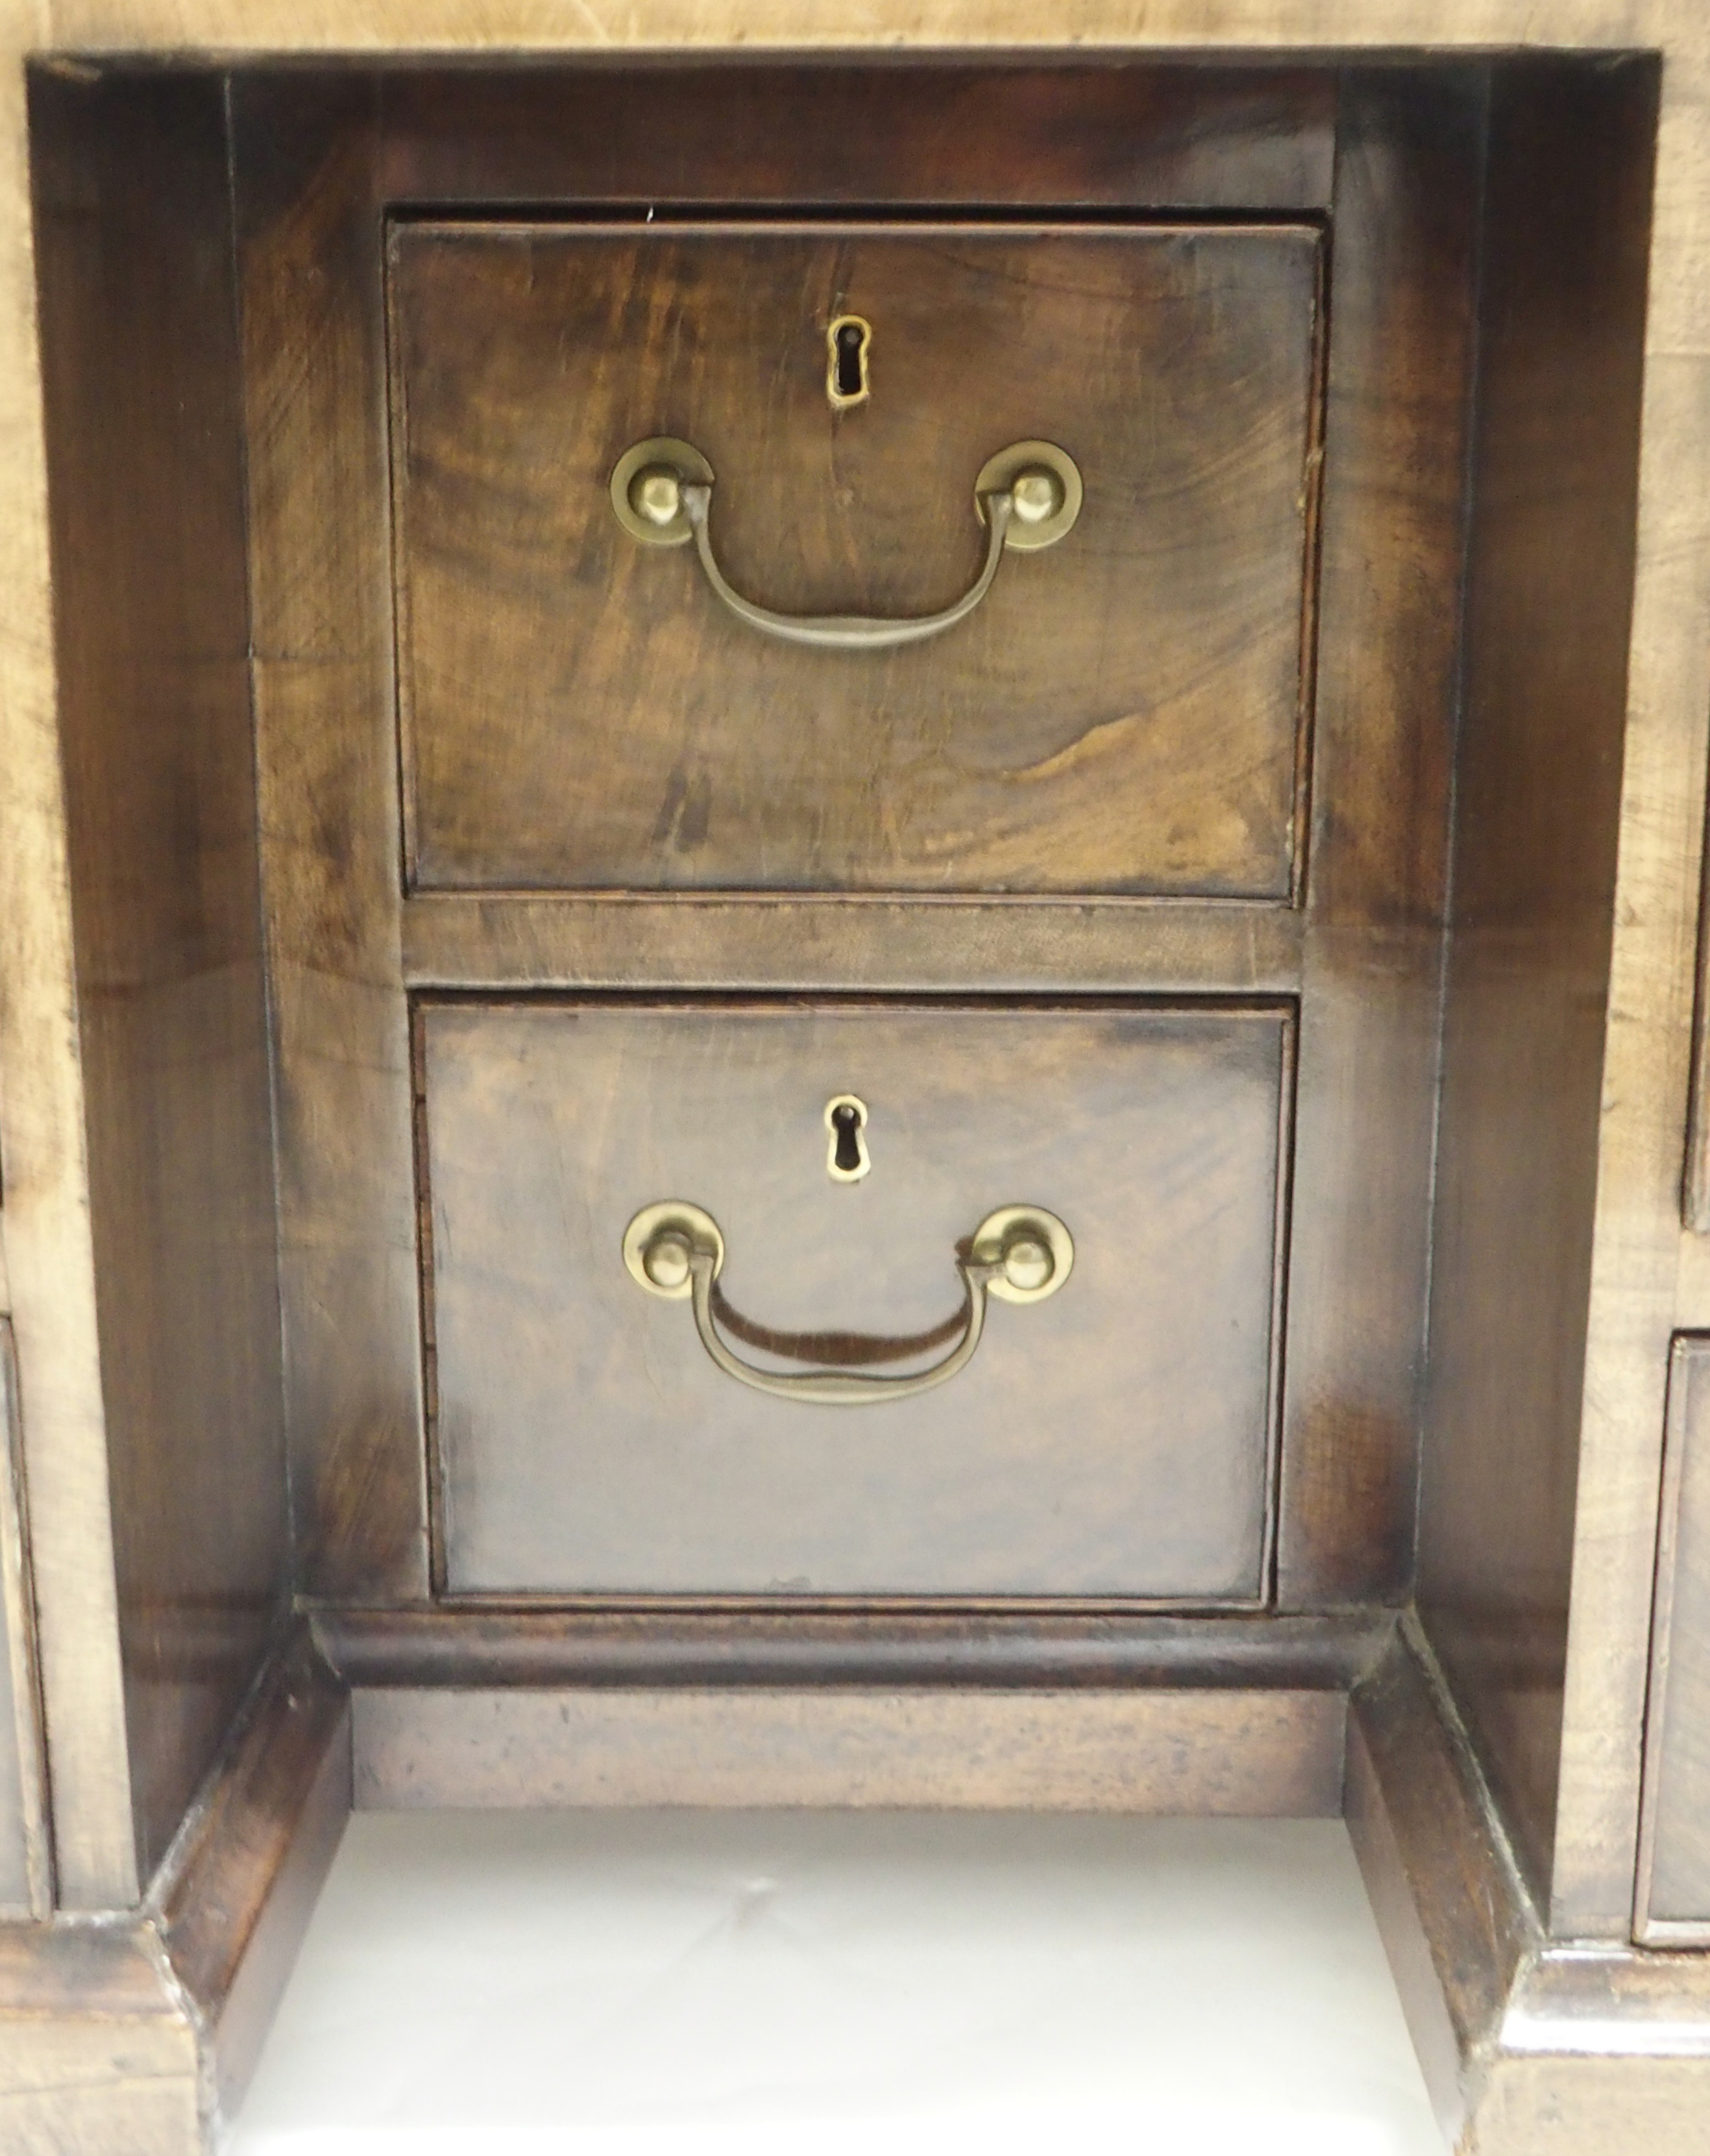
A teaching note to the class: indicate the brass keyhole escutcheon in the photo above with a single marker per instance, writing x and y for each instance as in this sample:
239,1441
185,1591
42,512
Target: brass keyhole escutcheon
847,1159
847,342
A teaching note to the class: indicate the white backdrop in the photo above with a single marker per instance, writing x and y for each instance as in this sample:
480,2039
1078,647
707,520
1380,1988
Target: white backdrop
698,1983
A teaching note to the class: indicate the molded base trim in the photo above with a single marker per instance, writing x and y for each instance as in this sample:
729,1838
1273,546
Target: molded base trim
1268,1754
134,2034
1530,2047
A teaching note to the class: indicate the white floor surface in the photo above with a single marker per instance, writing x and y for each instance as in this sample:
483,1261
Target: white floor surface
698,1983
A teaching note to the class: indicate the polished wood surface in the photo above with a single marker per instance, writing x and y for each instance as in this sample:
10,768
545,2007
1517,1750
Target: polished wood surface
309,271
1538,786
1159,947
879,1648
1122,712
97,2052
1399,409
26,1841
1530,2046
1113,1440
136,2036
1365,953
316,163
1695,1176
1455,1917
233,1904
1672,1904
1230,1754
145,435
1573,2014
1043,130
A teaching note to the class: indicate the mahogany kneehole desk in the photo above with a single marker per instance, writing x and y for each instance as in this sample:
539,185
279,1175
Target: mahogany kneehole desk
842,840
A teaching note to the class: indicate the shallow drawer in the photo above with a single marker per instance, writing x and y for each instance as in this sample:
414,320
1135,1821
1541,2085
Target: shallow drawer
1112,1437
1121,712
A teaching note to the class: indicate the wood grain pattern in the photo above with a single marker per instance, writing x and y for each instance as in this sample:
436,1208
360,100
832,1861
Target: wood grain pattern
1672,1903
1537,807
135,2037
1453,1914
1529,2048
26,1837
875,1649
1399,408
1235,1754
146,467
1047,130
1113,1440
1640,1128
458,940
232,1904
315,165
49,1251
96,2052
1121,714
1695,1173
308,269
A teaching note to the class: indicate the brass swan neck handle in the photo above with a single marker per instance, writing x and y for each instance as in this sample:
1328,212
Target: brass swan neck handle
848,631
1028,497
1018,1253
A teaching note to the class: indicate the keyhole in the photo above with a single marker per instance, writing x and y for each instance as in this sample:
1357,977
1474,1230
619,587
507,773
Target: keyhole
847,341
846,1154
847,1159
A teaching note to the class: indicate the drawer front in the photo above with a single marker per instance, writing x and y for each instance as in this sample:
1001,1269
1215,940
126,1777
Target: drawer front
1113,1438
1121,713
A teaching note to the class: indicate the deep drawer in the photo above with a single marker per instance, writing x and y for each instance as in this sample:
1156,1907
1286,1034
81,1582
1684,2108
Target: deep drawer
1113,1438
1123,710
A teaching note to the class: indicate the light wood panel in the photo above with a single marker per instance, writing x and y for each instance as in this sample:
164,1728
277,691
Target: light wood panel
96,2053
135,2037
1672,1903
26,1842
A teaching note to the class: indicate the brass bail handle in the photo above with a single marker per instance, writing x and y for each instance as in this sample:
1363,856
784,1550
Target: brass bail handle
1028,497
1018,1253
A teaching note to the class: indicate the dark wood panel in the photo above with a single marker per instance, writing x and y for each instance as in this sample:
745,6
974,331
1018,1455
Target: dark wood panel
475,1648
1115,1439
145,429
310,271
1454,1916
232,1911
1121,713
1673,1903
1400,382
1567,228
454,940
1266,1754
1113,132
